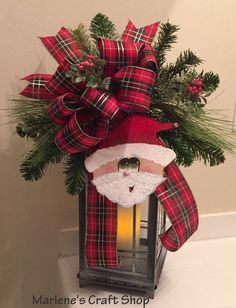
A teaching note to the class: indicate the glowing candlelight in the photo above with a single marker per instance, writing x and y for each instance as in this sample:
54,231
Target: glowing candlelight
127,233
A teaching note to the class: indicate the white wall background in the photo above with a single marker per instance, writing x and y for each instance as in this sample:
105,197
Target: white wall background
33,213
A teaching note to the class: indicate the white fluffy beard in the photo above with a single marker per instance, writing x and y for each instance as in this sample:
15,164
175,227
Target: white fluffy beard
127,190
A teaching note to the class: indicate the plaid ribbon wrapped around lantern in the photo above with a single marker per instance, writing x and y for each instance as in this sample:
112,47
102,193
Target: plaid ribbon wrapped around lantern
85,116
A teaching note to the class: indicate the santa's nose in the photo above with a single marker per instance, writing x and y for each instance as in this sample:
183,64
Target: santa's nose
126,173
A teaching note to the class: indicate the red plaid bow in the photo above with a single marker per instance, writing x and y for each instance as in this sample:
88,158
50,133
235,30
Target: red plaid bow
86,114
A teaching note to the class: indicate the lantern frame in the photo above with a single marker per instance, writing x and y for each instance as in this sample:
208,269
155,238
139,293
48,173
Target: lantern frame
131,282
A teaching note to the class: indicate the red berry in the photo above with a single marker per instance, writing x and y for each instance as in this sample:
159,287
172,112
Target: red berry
89,57
91,64
86,63
200,83
81,68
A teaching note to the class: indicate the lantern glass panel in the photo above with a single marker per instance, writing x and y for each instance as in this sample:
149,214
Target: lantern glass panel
140,252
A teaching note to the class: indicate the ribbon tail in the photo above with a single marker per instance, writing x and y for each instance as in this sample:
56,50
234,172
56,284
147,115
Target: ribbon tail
180,206
62,46
37,87
142,35
101,250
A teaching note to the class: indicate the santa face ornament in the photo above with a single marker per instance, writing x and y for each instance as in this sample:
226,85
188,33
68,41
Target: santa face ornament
128,181
129,164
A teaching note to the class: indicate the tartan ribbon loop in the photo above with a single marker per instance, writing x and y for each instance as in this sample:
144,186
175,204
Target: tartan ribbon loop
85,119
100,101
147,58
132,87
82,132
119,54
63,107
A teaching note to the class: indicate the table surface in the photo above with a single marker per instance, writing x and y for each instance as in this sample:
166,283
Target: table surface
202,274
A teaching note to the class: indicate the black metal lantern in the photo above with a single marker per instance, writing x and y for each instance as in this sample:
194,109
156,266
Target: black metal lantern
140,251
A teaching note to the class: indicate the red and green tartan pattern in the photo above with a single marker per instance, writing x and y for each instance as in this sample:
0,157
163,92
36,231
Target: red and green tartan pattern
101,102
101,233
82,132
141,35
132,87
180,206
37,87
117,54
59,84
73,102
124,54
147,58
63,107
62,46
85,120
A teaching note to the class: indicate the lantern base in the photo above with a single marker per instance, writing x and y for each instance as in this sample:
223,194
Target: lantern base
112,279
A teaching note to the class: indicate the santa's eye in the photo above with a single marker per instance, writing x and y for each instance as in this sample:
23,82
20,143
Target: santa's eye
123,164
134,164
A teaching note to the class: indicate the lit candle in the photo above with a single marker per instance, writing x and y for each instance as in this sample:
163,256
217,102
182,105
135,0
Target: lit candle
128,234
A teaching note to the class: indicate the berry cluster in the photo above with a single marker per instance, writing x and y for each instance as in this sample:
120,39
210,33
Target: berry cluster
195,87
87,64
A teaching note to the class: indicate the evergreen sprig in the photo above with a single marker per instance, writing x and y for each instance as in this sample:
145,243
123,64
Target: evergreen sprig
184,62
75,174
199,135
31,117
81,36
210,82
101,26
166,38
44,152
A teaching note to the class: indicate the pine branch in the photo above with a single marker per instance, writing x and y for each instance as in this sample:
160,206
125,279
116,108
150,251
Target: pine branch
200,135
101,26
22,107
75,174
31,117
37,160
210,82
174,140
166,38
82,38
186,60
34,126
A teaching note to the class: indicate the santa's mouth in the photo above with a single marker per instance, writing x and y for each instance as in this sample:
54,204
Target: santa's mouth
131,188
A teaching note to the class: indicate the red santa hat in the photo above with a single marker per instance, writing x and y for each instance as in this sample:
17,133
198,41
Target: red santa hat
137,137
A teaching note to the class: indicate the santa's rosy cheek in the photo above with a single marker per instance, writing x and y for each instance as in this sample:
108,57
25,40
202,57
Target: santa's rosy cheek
110,167
151,167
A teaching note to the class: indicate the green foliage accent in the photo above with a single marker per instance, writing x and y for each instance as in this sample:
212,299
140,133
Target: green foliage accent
81,36
94,76
182,64
101,26
31,117
210,82
166,38
44,152
75,173
199,135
